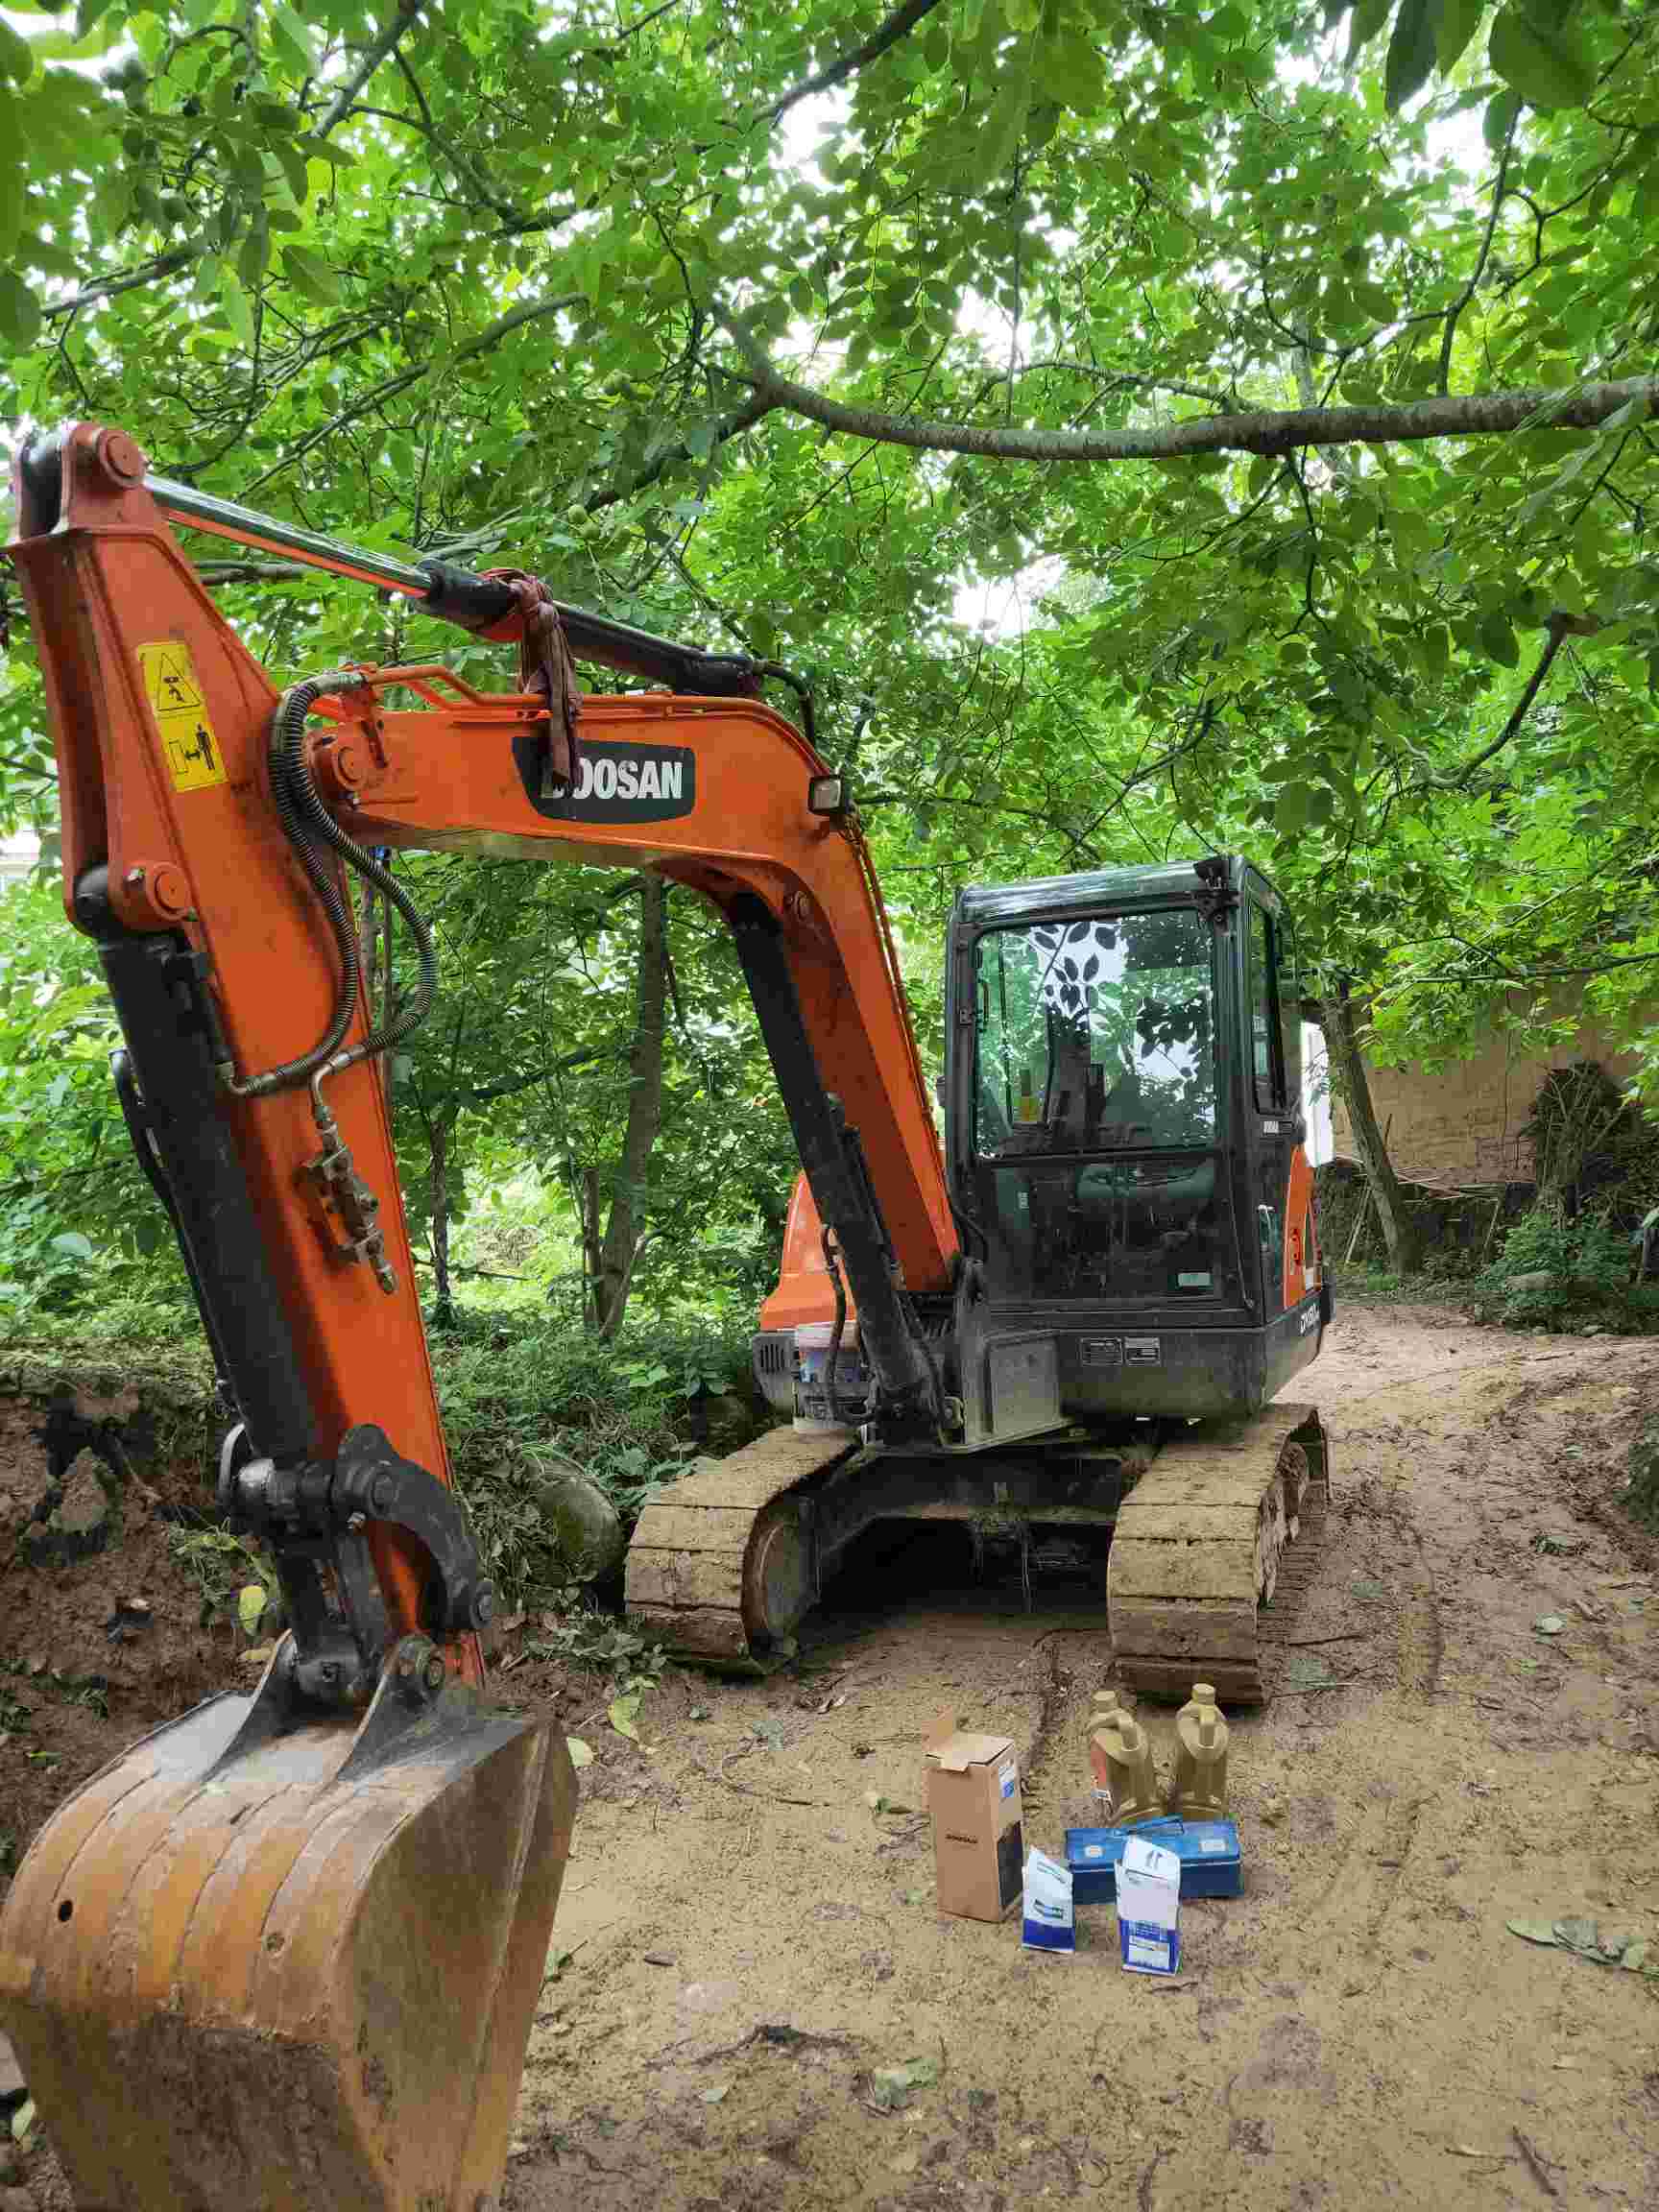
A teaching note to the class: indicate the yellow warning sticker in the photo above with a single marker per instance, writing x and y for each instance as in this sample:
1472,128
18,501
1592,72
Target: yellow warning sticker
175,695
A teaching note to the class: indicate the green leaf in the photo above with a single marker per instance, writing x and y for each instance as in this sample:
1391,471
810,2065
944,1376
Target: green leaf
256,253
1533,1931
1499,119
20,312
1368,18
1458,22
22,2120
250,1607
1000,136
310,273
1410,51
890,2087
1499,640
238,307
293,161
326,150
16,55
289,34
581,1754
13,174
1545,62
623,1715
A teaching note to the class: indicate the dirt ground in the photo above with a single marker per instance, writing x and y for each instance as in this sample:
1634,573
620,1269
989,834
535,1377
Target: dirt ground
743,1939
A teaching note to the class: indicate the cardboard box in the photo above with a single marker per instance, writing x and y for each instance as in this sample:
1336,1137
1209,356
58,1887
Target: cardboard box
1149,1908
978,1840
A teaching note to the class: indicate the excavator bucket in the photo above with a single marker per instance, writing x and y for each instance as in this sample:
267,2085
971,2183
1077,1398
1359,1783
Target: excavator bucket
292,1971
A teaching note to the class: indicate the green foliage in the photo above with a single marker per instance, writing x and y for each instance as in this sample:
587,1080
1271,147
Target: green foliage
79,1221
455,281
231,1572
1642,1499
1585,1263
517,1400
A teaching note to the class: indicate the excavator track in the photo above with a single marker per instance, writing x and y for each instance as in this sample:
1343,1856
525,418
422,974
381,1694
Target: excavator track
1203,1545
721,1564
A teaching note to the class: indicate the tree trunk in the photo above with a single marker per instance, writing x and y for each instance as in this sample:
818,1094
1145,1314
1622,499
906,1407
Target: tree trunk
443,1305
1348,1068
624,1229
593,1256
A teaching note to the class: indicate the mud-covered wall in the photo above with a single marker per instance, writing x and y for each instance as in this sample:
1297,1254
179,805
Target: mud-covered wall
1464,1123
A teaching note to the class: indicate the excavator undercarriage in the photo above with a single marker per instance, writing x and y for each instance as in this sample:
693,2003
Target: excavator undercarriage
728,1563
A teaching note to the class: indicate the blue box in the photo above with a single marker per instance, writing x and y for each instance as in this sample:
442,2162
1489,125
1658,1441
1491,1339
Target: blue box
1210,1862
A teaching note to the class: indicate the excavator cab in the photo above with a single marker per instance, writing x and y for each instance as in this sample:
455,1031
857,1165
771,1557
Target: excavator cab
1124,1130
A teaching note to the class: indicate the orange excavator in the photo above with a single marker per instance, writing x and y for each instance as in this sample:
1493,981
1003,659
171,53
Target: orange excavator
284,1954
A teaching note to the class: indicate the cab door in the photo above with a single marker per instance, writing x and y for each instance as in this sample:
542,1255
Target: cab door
1279,1203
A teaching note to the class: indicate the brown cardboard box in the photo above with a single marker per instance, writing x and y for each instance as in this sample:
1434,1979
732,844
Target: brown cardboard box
974,1795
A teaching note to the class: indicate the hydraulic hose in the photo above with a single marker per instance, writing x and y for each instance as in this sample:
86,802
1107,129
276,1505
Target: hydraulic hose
309,826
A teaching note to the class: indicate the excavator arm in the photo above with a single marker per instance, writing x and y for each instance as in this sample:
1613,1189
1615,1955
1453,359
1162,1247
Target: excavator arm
237,1920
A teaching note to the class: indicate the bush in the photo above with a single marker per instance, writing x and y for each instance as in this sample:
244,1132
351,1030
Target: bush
1551,1267
519,1396
1642,1499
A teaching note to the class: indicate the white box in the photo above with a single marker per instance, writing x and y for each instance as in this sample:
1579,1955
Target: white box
1149,1909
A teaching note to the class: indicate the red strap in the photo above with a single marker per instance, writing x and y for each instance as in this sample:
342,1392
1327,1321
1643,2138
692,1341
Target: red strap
545,667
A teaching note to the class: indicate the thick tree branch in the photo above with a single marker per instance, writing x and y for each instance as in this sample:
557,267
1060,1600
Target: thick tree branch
887,34
129,281
1269,430
368,62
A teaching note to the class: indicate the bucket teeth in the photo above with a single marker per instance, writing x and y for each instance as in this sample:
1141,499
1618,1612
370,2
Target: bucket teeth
1203,1542
255,1983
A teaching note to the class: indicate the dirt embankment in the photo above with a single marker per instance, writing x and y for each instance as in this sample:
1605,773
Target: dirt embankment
747,1928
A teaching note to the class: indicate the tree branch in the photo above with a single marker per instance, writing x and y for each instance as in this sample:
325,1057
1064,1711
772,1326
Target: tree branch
1561,627
903,19
1479,269
752,410
479,343
129,280
1276,431
370,59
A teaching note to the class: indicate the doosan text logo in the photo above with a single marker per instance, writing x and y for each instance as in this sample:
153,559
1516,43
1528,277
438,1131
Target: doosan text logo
629,778
629,784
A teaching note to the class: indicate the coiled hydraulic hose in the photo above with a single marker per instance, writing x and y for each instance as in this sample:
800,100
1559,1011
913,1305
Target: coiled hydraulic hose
309,826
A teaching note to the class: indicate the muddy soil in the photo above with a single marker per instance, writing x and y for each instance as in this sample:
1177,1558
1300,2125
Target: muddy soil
746,1936
96,1650
743,1939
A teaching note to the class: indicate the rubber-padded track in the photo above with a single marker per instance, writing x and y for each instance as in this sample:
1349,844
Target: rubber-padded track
1199,1550
687,1577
